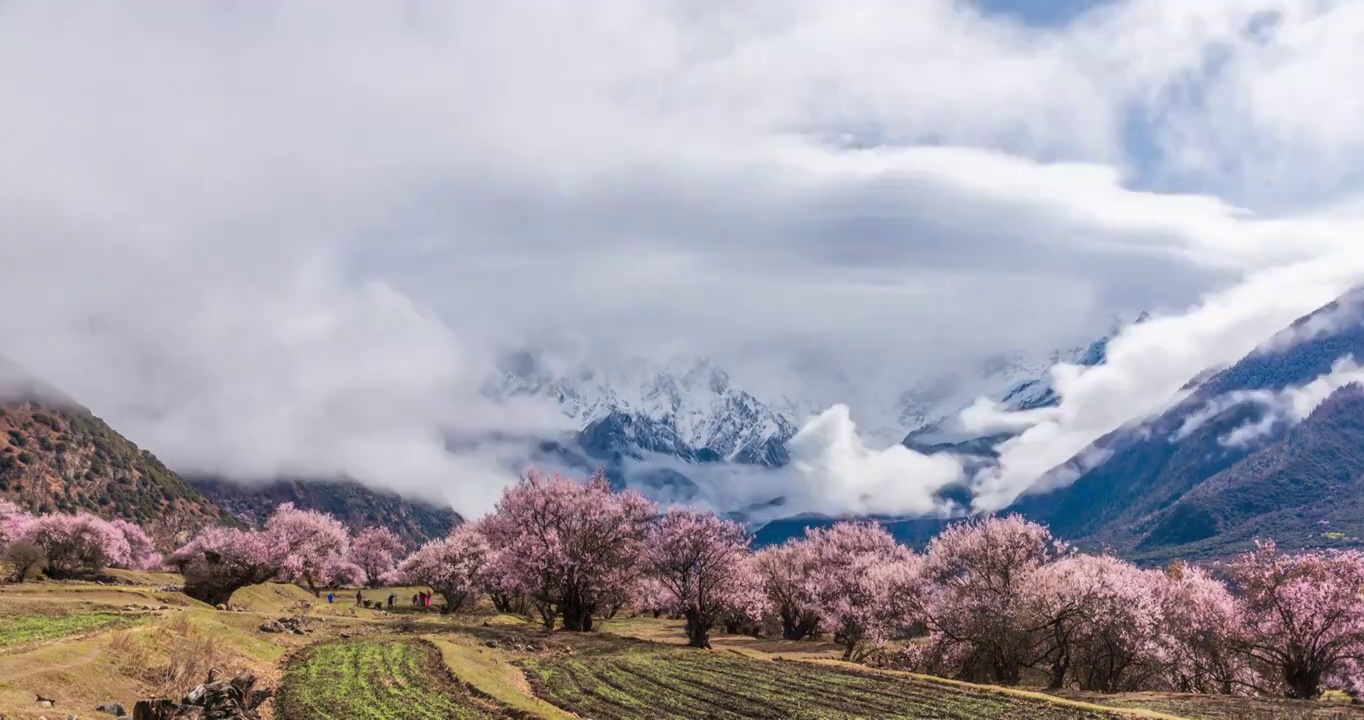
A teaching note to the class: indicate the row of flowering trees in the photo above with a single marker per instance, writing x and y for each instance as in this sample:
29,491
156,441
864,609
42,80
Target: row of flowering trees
307,547
995,600
69,545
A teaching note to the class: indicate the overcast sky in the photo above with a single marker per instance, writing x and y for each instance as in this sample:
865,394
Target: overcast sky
291,237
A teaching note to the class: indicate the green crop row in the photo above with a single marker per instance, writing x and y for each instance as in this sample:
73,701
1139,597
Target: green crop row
24,629
673,683
378,679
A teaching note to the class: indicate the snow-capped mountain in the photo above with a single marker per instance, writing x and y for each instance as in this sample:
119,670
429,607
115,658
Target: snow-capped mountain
687,407
692,410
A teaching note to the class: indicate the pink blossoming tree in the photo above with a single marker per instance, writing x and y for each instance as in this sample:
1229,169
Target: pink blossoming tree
570,547
315,541
784,571
341,572
858,568
11,518
219,561
376,551
75,545
142,554
1303,616
981,627
700,563
452,567
1099,621
1203,627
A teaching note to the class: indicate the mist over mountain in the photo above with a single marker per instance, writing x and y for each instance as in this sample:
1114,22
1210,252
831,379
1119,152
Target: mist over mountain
1267,447
752,249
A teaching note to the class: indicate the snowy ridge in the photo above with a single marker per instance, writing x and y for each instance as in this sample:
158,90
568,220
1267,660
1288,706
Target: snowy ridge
685,403
690,408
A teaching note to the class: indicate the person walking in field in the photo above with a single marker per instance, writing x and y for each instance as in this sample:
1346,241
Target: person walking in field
392,600
359,599
330,598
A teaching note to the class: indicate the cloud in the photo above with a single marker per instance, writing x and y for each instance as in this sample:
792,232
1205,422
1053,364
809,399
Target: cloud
296,238
1290,405
834,472
1149,363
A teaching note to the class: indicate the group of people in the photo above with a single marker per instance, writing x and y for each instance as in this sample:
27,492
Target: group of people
421,599
360,599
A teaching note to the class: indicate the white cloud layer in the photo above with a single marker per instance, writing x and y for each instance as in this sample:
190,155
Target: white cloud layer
291,237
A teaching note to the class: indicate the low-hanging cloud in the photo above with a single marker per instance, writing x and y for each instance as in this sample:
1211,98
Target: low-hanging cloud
295,240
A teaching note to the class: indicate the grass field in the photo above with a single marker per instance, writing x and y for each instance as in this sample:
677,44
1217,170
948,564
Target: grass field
381,678
640,680
26,629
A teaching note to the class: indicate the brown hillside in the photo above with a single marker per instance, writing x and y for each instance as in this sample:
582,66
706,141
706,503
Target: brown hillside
355,505
62,458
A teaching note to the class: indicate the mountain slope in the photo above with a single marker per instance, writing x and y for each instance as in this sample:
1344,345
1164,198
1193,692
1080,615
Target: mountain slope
56,456
1306,489
60,457
355,505
1144,499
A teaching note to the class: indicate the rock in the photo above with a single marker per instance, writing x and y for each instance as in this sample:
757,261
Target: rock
111,708
220,606
491,643
235,699
297,625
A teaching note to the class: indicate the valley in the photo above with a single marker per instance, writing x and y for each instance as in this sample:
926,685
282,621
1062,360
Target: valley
357,662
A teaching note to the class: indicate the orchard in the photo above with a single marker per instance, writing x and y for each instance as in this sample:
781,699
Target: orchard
991,600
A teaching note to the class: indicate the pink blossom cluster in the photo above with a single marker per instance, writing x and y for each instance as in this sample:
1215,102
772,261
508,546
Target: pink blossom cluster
74,545
453,566
1001,600
571,548
375,551
701,569
307,547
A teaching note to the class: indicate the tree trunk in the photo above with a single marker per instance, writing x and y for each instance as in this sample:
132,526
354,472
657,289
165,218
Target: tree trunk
577,615
698,631
212,594
547,614
577,619
1059,668
1304,682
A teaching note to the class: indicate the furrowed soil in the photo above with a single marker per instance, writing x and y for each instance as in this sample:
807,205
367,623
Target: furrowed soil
383,678
660,682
